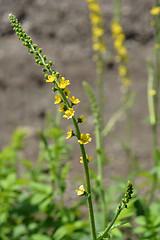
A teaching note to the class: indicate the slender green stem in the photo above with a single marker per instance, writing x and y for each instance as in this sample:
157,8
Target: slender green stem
110,225
156,85
116,13
89,198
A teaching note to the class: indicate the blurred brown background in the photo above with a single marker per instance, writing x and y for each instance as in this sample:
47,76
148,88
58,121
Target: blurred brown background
63,30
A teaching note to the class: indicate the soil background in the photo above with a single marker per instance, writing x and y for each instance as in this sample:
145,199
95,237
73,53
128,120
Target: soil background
63,30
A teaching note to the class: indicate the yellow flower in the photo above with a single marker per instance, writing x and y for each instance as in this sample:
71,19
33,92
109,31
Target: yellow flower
58,99
81,119
85,138
126,81
51,78
152,92
116,28
94,7
97,32
67,92
69,113
88,158
80,191
157,46
122,70
99,47
74,101
63,83
95,19
155,11
62,107
118,43
122,51
70,133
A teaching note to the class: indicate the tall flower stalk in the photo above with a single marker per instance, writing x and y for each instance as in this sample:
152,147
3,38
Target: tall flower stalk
60,87
67,105
153,93
122,61
99,48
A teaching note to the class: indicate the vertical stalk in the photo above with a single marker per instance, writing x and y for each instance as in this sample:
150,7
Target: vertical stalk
88,186
156,84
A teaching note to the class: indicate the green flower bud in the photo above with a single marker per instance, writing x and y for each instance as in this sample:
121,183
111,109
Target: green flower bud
57,74
39,50
44,70
50,63
46,76
40,63
54,89
31,51
35,46
44,57
37,61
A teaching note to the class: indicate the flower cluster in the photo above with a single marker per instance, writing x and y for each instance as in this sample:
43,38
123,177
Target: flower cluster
122,55
97,26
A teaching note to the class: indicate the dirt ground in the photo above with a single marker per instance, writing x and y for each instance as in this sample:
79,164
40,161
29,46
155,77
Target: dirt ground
62,29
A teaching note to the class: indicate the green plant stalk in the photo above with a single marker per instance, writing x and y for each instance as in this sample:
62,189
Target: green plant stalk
86,170
110,225
156,82
116,13
100,174
47,67
116,18
155,112
99,148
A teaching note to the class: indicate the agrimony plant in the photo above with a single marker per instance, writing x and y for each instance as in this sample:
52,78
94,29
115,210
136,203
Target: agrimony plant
67,107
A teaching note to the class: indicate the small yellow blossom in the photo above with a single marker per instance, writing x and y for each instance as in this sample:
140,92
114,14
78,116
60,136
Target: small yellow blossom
88,158
74,101
69,113
152,92
51,78
98,46
97,32
63,83
81,119
157,46
85,138
122,70
70,133
94,7
62,107
155,11
116,28
80,191
58,99
95,19
126,81
67,92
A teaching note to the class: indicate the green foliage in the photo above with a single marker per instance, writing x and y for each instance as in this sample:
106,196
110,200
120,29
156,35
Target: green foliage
32,204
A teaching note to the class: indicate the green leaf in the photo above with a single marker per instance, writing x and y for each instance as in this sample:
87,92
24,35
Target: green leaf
19,230
68,229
